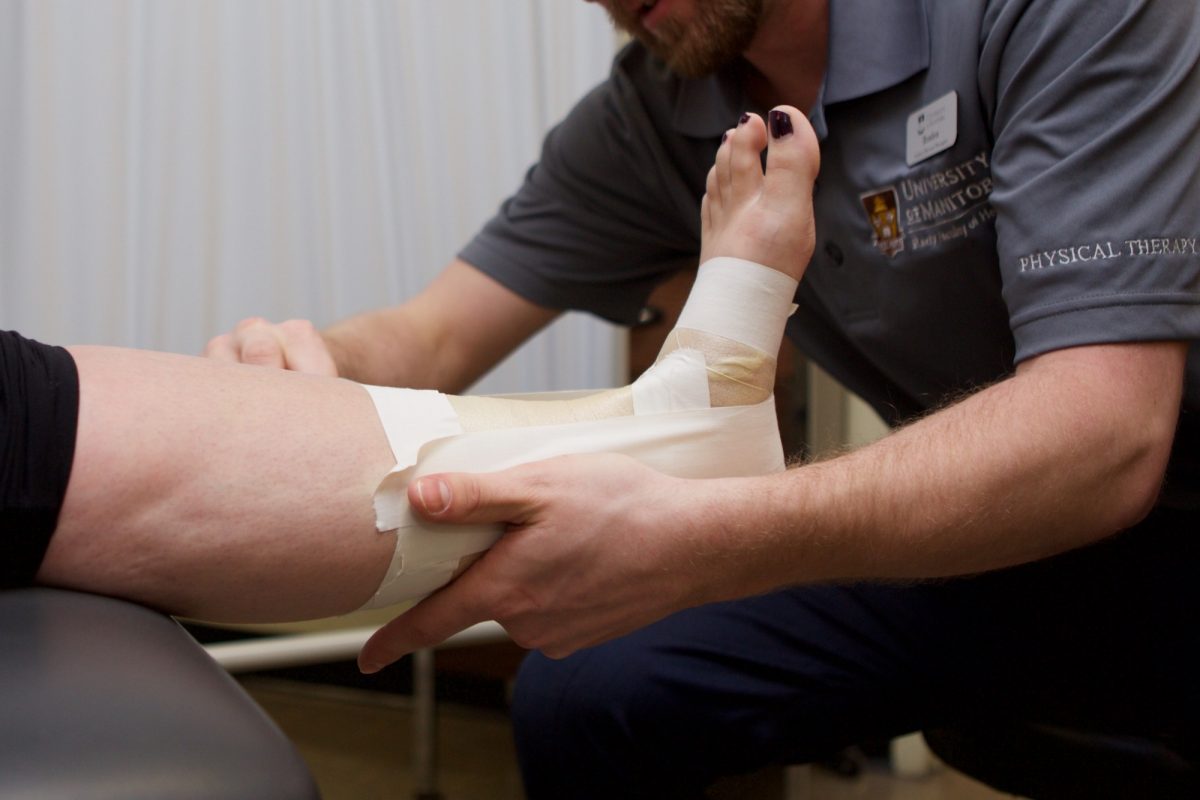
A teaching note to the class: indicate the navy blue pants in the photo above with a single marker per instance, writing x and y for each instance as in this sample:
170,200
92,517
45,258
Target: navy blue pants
1104,637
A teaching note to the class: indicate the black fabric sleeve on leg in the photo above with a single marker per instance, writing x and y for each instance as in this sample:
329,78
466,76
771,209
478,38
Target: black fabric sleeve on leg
39,416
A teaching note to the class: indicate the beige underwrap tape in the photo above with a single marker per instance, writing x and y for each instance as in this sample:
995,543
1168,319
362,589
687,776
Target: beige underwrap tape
678,382
701,443
740,300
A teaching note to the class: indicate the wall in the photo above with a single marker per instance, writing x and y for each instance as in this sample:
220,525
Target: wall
169,168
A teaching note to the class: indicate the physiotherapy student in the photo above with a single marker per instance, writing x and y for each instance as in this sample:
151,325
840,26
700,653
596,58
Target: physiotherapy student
1005,267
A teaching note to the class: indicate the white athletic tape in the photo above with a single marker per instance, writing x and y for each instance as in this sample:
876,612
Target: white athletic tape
740,300
700,443
673,429
678,382
412,417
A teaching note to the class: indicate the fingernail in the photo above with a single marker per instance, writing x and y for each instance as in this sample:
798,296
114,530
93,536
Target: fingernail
743,119
369,669
781,124
443,498
724,136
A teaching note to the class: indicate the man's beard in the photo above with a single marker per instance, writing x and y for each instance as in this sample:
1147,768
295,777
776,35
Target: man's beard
720,31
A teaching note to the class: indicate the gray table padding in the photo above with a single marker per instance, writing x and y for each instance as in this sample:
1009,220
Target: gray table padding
104,699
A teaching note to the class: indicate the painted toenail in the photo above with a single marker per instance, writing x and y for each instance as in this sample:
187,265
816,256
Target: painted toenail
743,119
724,136
781,124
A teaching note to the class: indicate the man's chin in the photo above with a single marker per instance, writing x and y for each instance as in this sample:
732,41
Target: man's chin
682,61
693,71
699,47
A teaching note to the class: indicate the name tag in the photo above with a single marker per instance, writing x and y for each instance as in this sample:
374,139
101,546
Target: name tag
932,129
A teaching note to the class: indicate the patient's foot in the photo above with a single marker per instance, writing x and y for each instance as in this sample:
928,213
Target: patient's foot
766,219
763,218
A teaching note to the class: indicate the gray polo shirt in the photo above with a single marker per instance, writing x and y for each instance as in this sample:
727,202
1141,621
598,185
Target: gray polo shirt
998,180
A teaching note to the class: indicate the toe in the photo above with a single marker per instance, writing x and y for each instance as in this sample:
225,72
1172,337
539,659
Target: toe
706,222
723,166
793,154
712,185
711,203
745,161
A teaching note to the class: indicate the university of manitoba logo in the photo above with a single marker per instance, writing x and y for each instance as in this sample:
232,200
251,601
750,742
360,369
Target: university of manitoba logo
883,213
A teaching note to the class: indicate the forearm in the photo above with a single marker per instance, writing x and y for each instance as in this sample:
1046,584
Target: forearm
385,347
1052,459
445,338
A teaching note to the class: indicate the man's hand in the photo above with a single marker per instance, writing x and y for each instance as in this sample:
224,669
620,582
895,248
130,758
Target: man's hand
295,345
596,547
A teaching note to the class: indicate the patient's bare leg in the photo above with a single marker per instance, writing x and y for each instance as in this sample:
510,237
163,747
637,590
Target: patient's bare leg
220,491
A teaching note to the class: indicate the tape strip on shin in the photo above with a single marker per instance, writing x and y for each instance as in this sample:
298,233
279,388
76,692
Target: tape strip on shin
412,418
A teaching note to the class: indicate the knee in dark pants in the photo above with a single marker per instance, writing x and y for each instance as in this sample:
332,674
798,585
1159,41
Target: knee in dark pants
590,726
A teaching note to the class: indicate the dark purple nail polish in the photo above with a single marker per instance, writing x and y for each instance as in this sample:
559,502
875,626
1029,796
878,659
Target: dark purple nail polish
743,119
724,136
781,124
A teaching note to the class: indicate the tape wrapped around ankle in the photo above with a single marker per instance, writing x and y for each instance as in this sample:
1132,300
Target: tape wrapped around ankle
699,443
673,429
678,382
742,301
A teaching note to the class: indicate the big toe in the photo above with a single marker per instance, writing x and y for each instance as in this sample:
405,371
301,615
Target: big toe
793,154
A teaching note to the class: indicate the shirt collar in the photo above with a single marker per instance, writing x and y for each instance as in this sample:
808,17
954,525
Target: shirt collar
872,46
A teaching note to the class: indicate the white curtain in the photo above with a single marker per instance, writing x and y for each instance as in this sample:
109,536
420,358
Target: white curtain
168,167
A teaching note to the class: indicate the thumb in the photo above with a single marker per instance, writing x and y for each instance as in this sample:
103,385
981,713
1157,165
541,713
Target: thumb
466,497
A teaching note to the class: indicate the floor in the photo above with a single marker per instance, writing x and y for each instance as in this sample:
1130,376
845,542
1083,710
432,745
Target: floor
356,743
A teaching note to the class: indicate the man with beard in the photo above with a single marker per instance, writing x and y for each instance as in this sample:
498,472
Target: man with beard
1006,268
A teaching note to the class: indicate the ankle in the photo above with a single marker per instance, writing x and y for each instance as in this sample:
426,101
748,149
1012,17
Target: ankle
738,375
740,300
